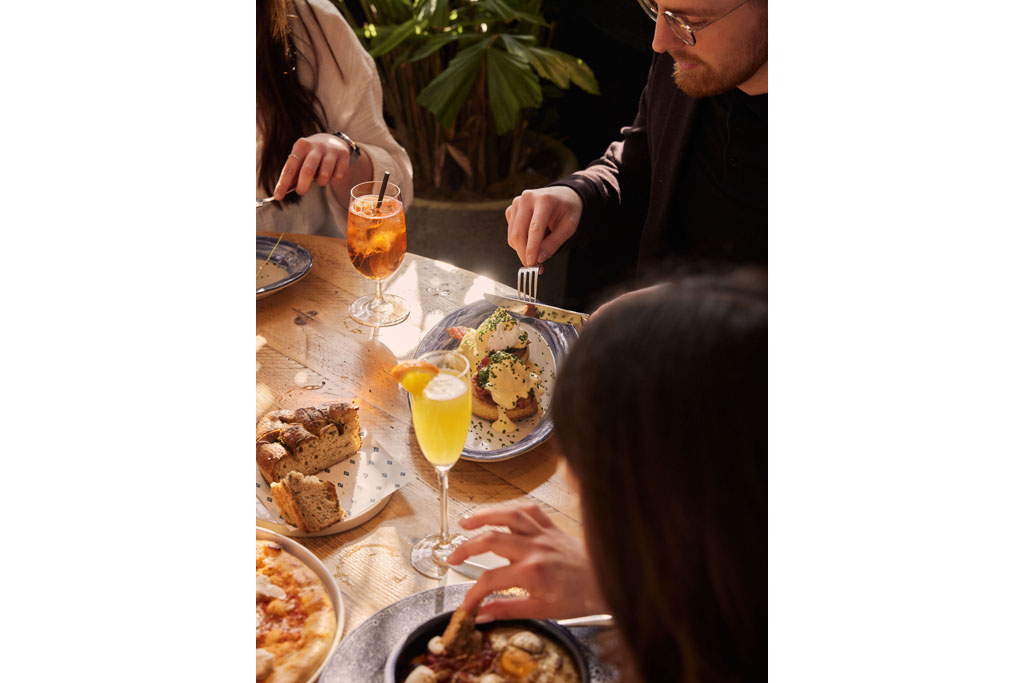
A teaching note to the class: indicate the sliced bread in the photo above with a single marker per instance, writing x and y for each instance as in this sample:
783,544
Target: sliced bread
307,440
307,502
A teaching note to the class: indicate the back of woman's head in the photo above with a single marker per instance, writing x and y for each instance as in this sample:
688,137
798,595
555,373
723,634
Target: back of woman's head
661,409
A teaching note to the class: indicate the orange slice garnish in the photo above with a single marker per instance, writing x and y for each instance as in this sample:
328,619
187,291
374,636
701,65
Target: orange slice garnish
414,375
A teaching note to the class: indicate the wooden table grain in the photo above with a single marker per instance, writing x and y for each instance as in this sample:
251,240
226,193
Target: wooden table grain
308,351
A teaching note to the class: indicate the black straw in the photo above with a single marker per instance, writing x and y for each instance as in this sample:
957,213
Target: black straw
383,187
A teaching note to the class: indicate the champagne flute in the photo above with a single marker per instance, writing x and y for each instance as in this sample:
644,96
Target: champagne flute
441,413
376,245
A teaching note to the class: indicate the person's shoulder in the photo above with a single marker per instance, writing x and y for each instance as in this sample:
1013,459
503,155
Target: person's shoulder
323,7
327,12
336,28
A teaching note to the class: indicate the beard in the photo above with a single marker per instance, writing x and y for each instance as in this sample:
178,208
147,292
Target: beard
706,80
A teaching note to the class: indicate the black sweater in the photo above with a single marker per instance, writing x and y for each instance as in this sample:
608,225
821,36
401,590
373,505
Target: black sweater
688,181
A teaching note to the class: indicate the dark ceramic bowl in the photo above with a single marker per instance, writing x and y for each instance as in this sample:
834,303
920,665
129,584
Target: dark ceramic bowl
397,667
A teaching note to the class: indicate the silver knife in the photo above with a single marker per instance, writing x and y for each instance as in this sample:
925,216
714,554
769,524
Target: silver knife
530,309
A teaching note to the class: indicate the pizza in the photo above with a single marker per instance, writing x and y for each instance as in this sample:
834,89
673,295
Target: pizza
295,619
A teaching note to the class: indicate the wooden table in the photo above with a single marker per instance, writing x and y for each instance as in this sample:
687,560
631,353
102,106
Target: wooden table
308,351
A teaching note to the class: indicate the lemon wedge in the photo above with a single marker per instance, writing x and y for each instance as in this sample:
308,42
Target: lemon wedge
414,375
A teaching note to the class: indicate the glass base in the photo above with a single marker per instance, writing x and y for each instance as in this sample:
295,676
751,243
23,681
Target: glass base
428,556
370,311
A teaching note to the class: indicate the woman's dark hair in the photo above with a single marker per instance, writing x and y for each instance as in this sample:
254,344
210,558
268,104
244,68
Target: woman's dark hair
661,409
285,110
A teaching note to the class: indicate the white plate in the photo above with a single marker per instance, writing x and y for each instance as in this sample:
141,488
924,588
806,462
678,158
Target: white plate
320,569
365,482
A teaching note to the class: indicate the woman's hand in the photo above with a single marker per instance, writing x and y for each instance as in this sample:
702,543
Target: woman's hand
322,157
545,561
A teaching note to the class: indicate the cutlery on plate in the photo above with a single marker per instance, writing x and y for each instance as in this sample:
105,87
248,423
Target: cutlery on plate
604,620
531,309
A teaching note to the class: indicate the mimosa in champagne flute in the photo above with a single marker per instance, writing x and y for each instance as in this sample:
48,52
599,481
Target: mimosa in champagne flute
438,386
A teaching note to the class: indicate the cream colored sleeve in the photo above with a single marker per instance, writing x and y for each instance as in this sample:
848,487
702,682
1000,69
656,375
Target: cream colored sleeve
353,102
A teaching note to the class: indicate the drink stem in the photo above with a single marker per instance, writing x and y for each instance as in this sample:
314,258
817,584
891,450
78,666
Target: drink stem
379,299
442,477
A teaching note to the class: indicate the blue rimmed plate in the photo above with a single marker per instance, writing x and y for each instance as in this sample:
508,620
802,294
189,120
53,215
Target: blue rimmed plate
549,343
289,264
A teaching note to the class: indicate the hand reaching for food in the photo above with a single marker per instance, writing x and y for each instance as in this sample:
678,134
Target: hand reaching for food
552,566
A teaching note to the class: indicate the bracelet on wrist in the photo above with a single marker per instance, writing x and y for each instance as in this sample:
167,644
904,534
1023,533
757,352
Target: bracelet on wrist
355,151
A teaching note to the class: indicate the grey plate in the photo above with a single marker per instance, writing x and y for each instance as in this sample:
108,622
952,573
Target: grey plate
559,338
295,260
361,656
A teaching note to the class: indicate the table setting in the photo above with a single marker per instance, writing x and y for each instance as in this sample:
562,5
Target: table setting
423,458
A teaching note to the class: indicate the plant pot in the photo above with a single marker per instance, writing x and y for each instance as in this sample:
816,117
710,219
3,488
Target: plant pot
474,236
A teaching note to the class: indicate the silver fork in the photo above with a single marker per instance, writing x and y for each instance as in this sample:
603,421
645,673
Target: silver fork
262,202
526,283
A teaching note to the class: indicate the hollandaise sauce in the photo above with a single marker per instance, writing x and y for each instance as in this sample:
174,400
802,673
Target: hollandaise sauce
440,415
508,379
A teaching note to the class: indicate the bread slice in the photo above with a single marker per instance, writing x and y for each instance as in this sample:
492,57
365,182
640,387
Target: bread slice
484,407
307,440
307,502
458,638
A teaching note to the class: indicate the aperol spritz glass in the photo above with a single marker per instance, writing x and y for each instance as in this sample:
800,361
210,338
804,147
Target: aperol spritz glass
376,245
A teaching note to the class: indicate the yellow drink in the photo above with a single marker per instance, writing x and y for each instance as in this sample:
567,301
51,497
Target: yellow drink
440,415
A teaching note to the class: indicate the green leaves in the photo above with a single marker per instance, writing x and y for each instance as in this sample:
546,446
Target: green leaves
511,85
513,64
392,38
444,95
562,69
458,60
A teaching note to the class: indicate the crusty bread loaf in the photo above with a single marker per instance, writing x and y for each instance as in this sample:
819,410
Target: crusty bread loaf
307,440
307,502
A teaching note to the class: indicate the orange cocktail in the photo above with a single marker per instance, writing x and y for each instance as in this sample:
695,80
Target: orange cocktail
376,246
376,236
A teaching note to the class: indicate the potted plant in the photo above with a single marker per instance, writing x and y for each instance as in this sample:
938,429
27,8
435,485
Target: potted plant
462,82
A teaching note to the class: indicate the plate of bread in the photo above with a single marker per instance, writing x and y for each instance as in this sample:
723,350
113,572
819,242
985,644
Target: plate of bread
318,472
513,364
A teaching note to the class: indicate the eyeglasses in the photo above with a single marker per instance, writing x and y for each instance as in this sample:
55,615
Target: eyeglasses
685,32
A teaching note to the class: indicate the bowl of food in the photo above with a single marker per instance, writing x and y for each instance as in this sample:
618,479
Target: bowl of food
450,647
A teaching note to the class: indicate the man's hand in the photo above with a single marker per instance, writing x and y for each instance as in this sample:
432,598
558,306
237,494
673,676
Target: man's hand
540,221
545,561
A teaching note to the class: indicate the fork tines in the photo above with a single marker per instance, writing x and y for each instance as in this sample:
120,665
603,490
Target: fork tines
526,283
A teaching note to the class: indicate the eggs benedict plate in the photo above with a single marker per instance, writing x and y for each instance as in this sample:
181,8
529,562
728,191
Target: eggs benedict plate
514,362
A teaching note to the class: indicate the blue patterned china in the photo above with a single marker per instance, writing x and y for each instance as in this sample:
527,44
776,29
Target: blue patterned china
288,264
549,343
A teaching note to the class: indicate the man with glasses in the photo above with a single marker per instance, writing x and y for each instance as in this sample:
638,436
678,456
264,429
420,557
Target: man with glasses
687,180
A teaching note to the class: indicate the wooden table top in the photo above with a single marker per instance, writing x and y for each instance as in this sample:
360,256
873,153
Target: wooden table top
308,351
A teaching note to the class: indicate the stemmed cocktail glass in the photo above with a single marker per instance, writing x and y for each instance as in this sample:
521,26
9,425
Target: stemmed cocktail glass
439,392
376,245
